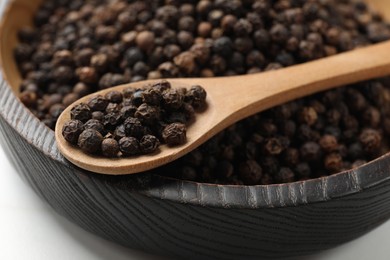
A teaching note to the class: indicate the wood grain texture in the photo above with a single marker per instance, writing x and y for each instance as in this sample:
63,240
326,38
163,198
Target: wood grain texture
262,91
192,220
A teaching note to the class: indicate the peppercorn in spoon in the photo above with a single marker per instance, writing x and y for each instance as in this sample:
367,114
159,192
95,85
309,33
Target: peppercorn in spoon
230,99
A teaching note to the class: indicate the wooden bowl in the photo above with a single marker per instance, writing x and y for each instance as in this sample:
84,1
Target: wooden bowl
179,218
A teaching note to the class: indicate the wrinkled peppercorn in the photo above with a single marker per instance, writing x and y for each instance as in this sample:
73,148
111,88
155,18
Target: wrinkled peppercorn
72,130
147,114
98,103
81,112
111,120
196,96
133,127
172,99
95,125
152,96
129,146
174,134
149,144
90,141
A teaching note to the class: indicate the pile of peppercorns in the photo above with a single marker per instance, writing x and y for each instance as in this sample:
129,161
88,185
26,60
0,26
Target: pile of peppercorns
133,122
312,137
79,47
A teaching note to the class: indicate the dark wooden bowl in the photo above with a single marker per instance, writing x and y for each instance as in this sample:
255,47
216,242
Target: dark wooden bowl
186,219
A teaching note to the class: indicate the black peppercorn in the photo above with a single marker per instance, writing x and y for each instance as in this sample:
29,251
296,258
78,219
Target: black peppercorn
279,33
83,57
137,98
329,143
147,114
114,96
110,80
285,175
152,96
196,96
311,151
185,39
145,40
291,156
110,147
87,75
63,74
371,140
72,130
95,125
172,99
250,172
28,98
99,62
113,108
149,144
81,112
303,170
333,162
98,115
62,58
129,146
185,61
111,120
133,127
128,111
274,146
133,55
174,134
98,103
243,27
223,46
69,99
355,151
81,89
90,141
255,58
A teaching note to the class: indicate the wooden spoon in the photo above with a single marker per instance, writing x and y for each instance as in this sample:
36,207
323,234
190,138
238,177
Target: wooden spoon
233,98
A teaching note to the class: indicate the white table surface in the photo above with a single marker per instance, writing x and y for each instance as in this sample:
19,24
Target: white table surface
30,229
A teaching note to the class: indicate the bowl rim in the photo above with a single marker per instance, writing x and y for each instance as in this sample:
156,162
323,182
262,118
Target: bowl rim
194,193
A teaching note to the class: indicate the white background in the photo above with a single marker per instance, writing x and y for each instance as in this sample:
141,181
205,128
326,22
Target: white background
29,229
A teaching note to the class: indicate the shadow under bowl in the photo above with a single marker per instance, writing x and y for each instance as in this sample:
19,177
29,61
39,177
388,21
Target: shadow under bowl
179,218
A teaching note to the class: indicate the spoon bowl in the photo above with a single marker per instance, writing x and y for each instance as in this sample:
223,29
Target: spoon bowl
231,99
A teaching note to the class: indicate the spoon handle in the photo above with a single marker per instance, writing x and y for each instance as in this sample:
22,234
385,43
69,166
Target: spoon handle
247,95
